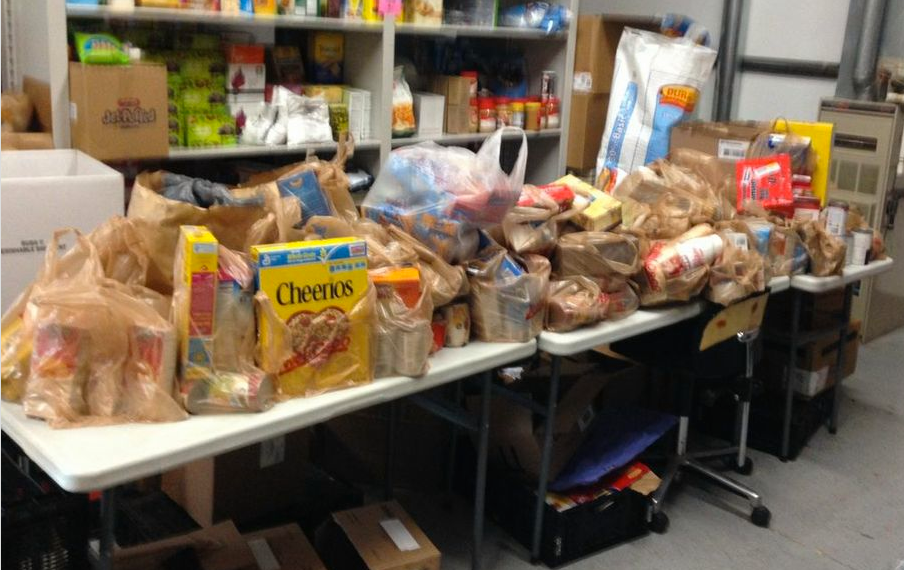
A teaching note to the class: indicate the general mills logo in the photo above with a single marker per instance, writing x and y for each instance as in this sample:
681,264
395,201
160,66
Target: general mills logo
129,113
265,260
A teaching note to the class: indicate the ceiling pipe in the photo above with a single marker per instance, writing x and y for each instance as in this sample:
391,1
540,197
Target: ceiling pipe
728,58
864,74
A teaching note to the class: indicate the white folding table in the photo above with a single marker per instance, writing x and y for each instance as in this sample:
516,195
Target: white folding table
810,284
102,458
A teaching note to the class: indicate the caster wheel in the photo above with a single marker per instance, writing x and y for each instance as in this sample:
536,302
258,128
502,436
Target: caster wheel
745,469
761,517
659,523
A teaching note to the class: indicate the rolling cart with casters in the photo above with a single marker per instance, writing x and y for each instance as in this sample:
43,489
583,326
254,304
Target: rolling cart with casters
720,333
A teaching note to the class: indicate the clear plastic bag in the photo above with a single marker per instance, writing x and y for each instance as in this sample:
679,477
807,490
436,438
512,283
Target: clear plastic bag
308,118
596,254
623,301
99,353
403,122
508,299
573,303
403,335
441,195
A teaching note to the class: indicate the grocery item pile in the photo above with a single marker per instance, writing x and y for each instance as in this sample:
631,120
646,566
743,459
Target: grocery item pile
207,298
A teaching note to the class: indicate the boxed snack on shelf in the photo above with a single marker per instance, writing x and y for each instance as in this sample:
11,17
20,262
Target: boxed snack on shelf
359,106
429,114
245,70
287,64
210,129
425,12
119,112
315,314
195,300
326,56
329,93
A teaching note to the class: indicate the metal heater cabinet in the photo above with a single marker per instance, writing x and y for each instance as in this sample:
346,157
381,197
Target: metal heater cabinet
865,153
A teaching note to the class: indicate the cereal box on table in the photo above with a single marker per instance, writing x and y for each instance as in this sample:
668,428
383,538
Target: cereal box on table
315,288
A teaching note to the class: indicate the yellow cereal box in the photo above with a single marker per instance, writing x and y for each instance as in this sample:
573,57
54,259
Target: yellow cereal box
315,287
195,300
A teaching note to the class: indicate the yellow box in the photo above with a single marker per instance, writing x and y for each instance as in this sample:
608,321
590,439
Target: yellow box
820,135
330,93
195,300
327,56
315,288
604,211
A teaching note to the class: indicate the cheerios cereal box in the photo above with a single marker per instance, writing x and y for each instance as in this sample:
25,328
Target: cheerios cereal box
314,287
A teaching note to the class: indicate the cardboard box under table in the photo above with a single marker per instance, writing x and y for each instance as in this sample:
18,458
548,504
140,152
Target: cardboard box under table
376,537
119,112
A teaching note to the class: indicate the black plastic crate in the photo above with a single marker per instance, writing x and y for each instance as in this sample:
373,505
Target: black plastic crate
568,535
44,528
766,417
149,517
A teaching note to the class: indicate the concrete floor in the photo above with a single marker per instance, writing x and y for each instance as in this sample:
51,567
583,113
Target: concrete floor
839,506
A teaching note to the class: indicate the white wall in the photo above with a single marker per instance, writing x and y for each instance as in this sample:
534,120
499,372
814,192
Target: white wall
803,29
799,29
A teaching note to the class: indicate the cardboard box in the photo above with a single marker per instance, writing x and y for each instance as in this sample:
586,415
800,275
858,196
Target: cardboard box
596,44
219,547
429,113
82,191
728,141
376,537
241,485
585,131
119,112
326,56
456,90
516,444
815,367
283,548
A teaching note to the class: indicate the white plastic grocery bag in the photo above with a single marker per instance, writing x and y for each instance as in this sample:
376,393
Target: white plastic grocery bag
656,83
441,195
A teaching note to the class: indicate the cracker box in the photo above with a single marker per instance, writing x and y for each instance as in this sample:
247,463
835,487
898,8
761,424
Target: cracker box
603,211
195,300
315,288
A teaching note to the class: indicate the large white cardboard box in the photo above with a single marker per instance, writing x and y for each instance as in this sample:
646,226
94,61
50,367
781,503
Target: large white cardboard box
41,191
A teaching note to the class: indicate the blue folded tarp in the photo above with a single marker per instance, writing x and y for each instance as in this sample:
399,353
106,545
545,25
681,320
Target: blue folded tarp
617,436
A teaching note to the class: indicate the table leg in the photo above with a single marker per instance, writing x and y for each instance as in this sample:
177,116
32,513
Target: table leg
546,457
392,420
483,444
107,528
453,446
789,373
839,362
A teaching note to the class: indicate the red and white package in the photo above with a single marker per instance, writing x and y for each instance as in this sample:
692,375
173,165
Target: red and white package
766,180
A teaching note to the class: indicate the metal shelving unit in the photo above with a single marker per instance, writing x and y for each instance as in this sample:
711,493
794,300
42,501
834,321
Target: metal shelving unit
371,52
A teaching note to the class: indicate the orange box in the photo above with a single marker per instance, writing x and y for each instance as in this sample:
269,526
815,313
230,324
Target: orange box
251,54
406,281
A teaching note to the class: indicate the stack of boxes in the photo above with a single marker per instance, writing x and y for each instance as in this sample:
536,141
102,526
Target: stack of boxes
594,63
246,79
457,93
